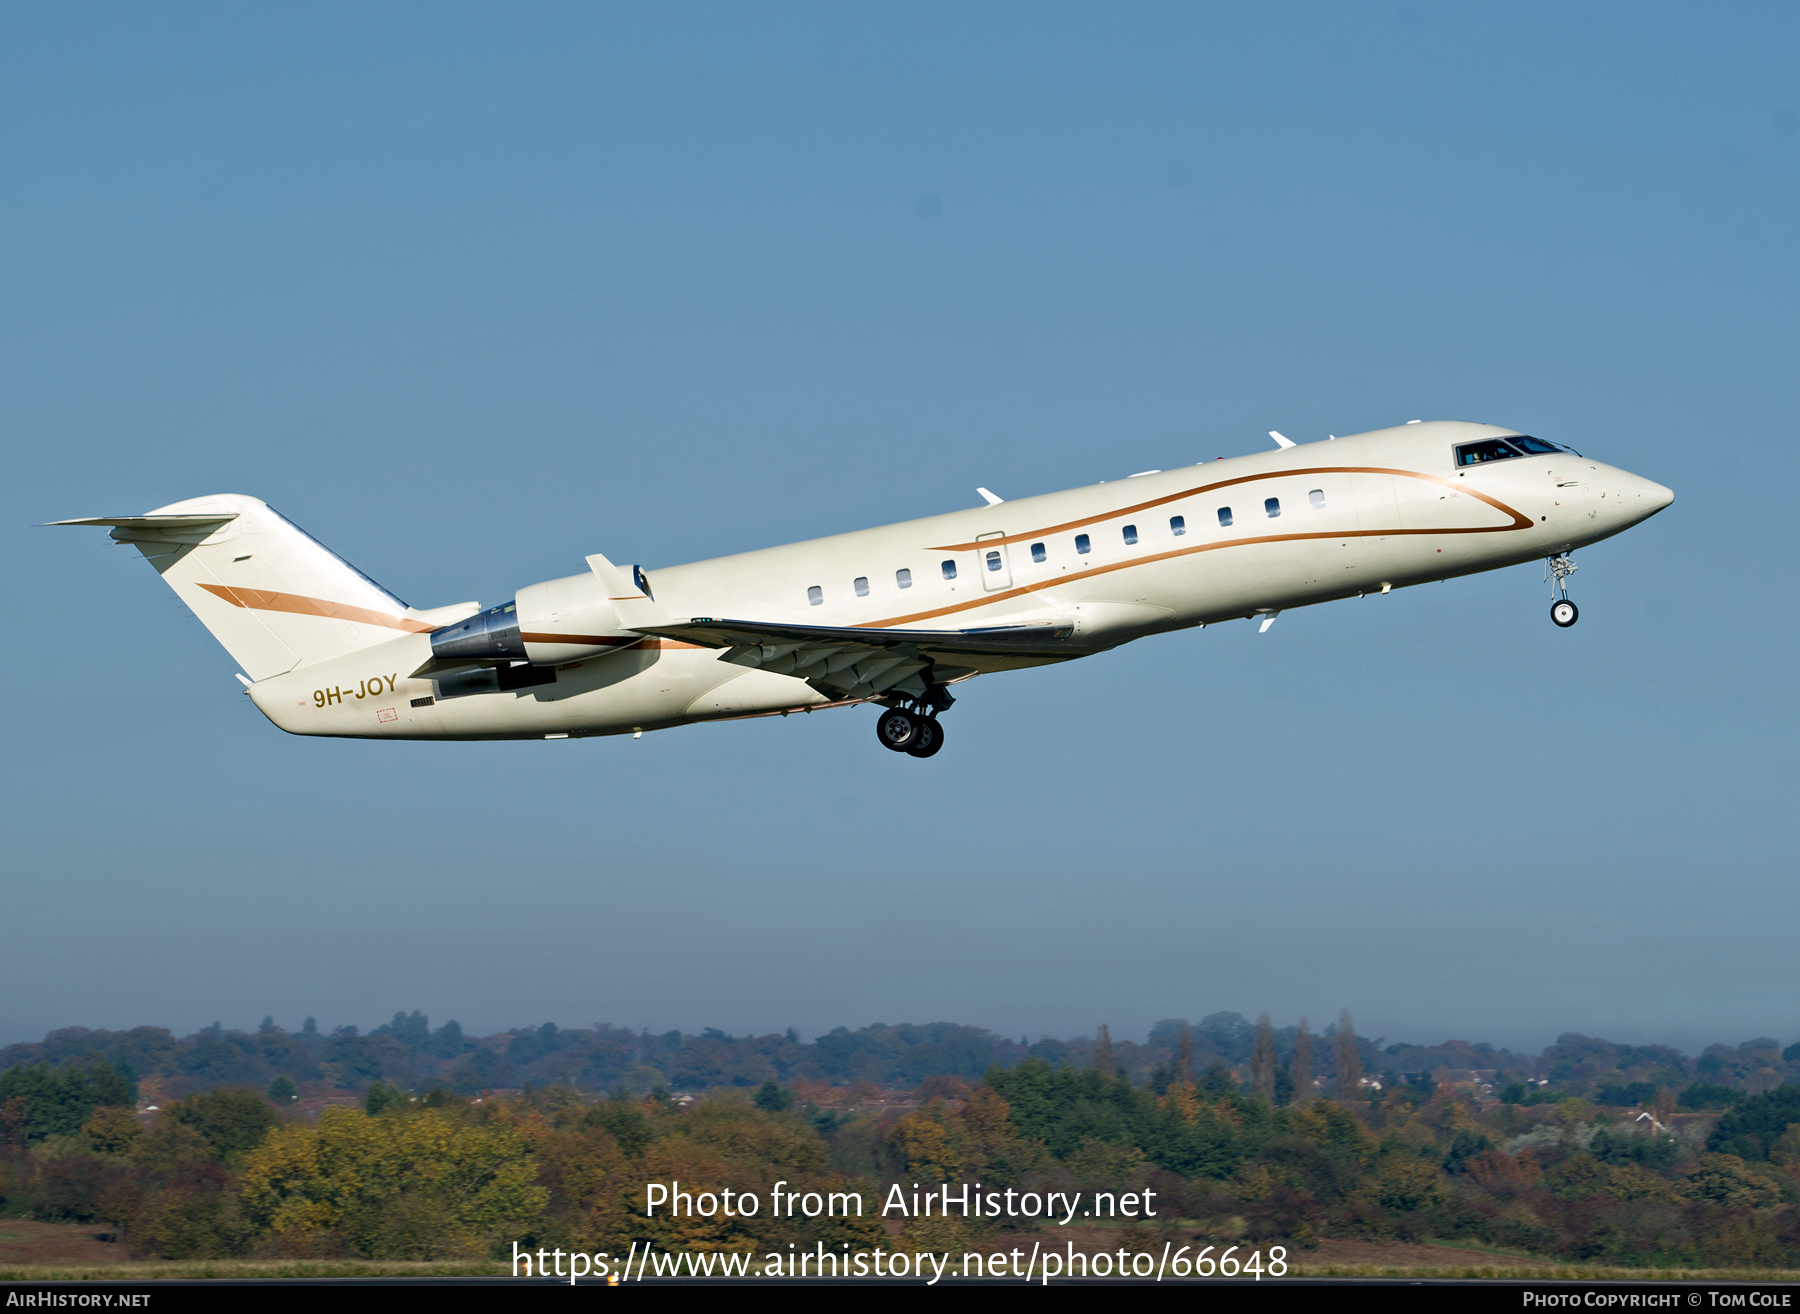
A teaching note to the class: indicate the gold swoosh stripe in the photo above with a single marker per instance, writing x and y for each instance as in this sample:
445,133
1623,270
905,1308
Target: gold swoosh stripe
594,639
1520,521
263,600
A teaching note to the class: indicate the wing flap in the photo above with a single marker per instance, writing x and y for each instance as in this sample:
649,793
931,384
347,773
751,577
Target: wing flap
847,662
1045,640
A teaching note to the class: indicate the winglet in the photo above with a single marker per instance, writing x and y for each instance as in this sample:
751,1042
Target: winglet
1285,442
636,610
989,498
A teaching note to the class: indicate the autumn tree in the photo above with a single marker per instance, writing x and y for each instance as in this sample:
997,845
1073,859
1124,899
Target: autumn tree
1184,1055
112,1129
977,1142
419,1186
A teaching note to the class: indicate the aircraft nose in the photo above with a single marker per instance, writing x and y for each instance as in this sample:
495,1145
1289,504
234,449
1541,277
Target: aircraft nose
1650,497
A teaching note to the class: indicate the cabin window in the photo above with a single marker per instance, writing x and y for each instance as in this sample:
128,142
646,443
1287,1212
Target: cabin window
862,586
1081,543
1317,498
1130,535
1178,525
815,595
1224,517
1037,552
1272,505
903,578
949,570
1477,453
993,561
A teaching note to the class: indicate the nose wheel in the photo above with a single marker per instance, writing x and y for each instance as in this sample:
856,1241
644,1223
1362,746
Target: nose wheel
1557,570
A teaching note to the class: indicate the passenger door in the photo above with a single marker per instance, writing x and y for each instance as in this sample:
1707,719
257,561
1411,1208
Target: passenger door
991,560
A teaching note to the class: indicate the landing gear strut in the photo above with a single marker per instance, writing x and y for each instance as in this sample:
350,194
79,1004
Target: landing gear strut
1557,570
913,726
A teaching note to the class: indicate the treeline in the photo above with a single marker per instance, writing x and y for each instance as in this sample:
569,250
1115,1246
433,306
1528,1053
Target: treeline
408,1052
226,1173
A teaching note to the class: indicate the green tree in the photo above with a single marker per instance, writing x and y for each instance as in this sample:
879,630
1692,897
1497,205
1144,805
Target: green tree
283,1091
1216,1080
773,1096
382,1096
624,1121
57,1101
1752,1128
1284,1084
1727,1180
232,1121
350,1058
1710,1095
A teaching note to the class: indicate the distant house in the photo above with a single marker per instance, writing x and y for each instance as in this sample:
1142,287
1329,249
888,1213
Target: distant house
1475,1081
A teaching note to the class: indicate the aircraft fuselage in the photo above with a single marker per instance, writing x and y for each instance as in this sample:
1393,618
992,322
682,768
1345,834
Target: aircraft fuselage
1226,540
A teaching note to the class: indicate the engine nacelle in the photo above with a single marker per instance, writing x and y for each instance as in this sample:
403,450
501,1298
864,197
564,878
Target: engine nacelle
548,624
569,620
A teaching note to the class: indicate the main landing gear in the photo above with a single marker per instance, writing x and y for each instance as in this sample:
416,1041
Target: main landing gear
1557,570
915,729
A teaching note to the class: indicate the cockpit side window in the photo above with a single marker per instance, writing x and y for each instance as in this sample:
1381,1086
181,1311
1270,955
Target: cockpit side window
1489,449
1534,446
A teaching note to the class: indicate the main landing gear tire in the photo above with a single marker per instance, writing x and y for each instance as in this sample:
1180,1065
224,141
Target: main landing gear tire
931,738
1564,613
898,729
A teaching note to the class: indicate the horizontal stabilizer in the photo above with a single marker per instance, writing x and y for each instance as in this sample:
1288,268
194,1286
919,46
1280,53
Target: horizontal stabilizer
153,522
271,593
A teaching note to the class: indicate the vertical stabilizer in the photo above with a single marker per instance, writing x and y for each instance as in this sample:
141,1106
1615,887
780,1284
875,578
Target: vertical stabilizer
275,596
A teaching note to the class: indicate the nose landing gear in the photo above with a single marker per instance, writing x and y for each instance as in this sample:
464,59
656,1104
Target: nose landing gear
913,728
1557,570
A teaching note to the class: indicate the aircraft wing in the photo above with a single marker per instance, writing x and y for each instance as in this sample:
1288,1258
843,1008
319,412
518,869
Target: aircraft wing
866,663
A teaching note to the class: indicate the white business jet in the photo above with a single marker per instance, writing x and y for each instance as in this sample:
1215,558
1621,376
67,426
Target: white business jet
893,616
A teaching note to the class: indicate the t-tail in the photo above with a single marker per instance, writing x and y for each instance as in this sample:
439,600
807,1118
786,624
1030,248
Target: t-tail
276,597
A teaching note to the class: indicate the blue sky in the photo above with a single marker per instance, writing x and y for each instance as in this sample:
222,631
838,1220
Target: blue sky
471,291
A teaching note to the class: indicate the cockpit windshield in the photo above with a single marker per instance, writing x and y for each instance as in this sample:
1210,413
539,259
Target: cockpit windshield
1489,449
1492,449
